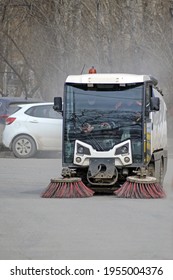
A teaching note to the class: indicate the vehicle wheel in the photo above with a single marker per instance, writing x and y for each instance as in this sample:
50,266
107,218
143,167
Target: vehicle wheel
151,170
24,146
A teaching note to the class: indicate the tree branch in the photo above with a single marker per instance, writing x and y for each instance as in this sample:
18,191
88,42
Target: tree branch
16,72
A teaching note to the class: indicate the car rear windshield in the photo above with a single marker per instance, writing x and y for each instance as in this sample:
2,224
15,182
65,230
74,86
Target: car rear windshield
6,111
13,108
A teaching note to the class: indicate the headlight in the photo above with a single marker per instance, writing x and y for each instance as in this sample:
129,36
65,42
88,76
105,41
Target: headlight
80,150
126,159
124,150
78,159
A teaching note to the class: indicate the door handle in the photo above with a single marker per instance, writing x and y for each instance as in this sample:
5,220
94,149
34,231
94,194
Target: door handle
34,121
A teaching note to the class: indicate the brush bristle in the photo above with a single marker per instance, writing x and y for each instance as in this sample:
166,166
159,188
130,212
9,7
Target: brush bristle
140,190
64,188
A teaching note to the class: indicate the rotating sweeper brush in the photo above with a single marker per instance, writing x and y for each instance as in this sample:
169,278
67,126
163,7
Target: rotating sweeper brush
67,188
140,186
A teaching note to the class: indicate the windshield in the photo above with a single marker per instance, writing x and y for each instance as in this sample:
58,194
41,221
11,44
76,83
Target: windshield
103,116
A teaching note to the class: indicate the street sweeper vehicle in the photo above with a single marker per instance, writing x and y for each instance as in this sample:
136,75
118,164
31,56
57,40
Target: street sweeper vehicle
114,136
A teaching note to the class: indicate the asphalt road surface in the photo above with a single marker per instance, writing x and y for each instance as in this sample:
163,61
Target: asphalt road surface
99,227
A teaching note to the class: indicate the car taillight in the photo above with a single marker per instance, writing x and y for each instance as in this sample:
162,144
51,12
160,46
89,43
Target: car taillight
9,120
4,116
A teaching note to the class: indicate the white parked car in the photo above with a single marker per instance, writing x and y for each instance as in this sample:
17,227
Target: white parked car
33,127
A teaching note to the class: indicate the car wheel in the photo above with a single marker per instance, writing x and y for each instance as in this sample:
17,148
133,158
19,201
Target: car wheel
24,146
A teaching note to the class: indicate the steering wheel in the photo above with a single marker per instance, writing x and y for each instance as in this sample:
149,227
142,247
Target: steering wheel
105,125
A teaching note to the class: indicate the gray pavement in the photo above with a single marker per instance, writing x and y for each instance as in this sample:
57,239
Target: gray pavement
100,227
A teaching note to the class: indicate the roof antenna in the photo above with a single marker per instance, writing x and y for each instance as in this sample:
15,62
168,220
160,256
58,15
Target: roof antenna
82,69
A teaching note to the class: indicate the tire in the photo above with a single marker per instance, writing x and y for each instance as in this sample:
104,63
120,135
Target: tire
23,146
151,170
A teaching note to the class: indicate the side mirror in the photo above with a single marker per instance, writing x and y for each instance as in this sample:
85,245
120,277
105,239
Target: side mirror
155,104
57,104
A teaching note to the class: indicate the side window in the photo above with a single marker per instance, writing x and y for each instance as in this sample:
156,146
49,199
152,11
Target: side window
43,111
37,111
147,98
51,113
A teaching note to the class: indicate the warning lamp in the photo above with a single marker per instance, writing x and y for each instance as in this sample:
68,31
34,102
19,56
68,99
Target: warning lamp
92,70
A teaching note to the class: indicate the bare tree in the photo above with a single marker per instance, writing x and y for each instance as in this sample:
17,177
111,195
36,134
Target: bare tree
44,41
